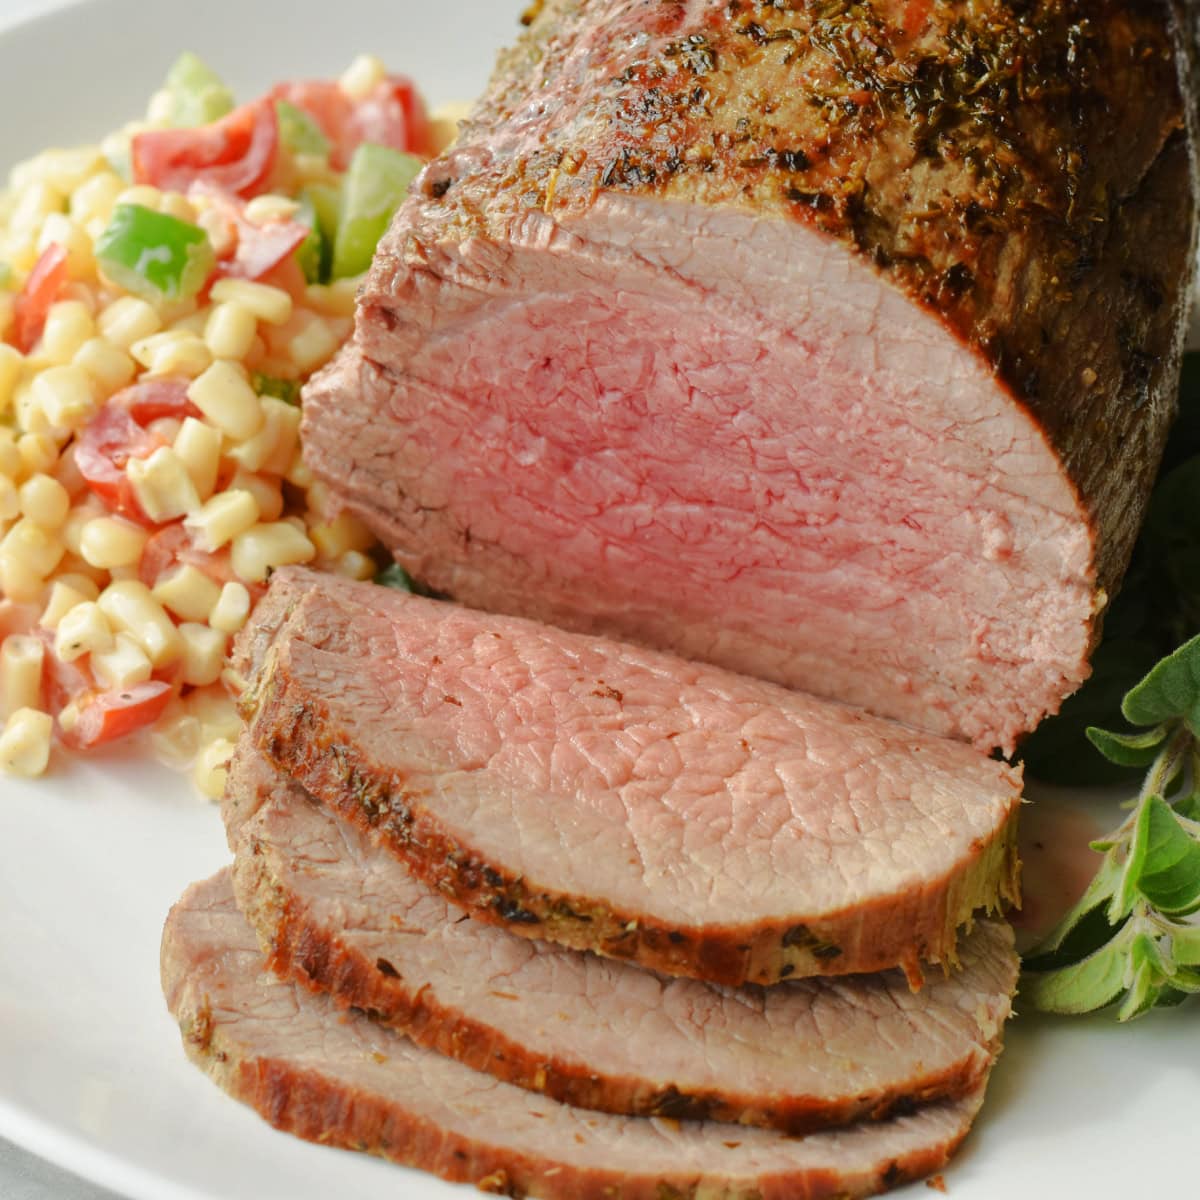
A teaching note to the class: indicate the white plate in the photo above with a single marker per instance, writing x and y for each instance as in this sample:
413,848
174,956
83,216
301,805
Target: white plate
91,1070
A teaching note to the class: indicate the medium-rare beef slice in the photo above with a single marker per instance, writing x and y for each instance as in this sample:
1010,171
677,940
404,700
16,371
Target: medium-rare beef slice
340,915
623,800
346,1081
835,348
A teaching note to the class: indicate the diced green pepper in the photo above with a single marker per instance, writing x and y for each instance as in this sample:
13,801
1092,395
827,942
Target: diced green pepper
198,96
153,255
287,390
376,182
315,252
299,132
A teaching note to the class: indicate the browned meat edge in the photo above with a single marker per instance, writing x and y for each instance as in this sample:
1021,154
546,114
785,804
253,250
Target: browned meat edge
312,954
1024,170
295,732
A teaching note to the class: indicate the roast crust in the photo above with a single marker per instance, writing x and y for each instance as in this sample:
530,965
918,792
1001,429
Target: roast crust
1024,171
295,731
300,946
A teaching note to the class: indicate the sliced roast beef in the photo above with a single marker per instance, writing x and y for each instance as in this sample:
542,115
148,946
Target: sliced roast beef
623,800
340,915
344,1080
837,348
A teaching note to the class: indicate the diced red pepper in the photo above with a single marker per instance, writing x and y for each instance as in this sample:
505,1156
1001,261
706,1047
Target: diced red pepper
118,433
46,280
108,716
392,115
236,153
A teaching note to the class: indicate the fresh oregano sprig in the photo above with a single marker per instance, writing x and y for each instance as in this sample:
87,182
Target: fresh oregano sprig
1128,940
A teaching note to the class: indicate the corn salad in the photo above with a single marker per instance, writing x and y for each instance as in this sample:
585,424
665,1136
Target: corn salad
163,295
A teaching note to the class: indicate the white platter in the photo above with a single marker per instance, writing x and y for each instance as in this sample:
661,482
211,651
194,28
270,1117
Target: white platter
91,1071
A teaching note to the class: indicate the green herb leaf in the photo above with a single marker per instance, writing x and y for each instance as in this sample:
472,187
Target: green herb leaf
1129,749
1100,891
395,577
1084,986
1169,874
1185,945
1171,691
287,390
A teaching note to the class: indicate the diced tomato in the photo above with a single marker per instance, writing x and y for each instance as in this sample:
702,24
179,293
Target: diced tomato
259,248
41,289
62,682
172,546
236,153
915,16
118,433
108,716
392,115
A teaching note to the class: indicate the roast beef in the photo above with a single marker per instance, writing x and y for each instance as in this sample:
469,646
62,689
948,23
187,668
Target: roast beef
341,916
623,800
833,344
344,1080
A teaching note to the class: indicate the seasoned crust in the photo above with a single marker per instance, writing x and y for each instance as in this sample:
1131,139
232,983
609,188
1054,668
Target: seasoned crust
284,889
373,1092
293,729
1023,171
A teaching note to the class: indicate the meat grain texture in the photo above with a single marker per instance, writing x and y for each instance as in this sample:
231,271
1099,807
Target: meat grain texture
623,800
833,344
343,1080
339,915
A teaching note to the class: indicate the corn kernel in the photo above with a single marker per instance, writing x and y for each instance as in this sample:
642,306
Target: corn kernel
299,474
39,453
198,447
94,199
227,400
59,230
211,769
275,443
341,535
223,518
63,598
142,194
262,210
63,170
21,660
34,204
177,205
232,608
10,499
230,330
362,76
77,518
221,231
172,352
175,737
128,320
65,395
18,581
217,713
45,501
25,743
203,655
308,341
270,304
11,362
194,323
259,551
109,367
124,665
267,493
109,542
68,326
39,549
82,630
356,565
162,485
188,593
131,609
